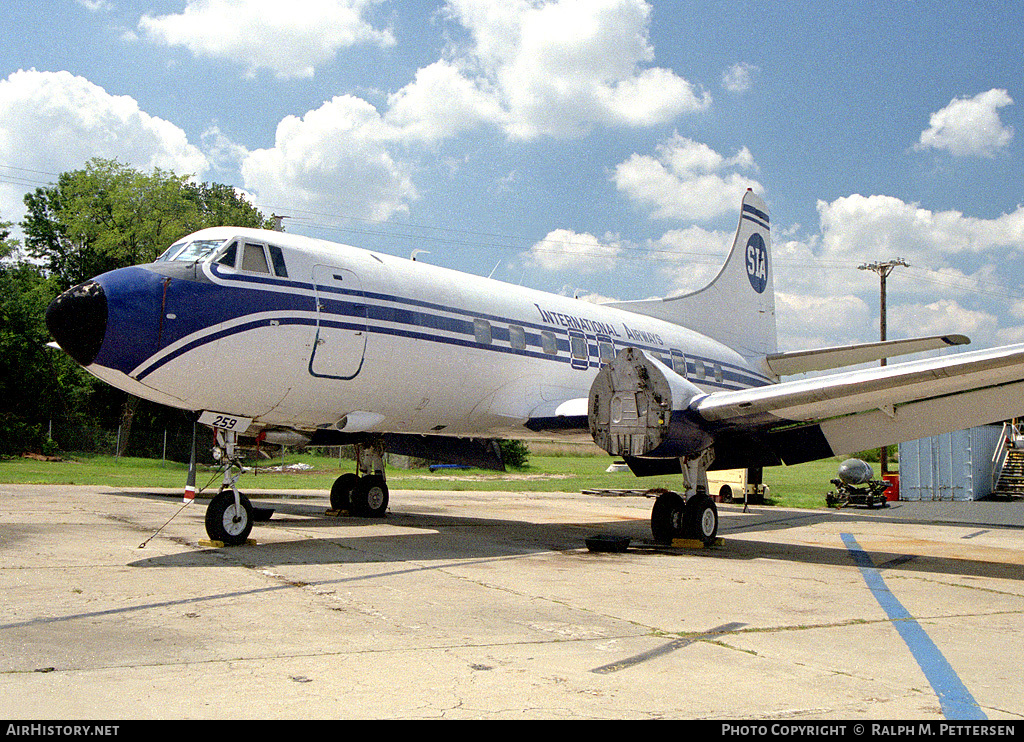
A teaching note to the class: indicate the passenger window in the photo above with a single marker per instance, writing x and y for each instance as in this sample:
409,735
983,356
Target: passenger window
548,342
679,363
698,369
606,350
482,331
578,345
517,337
254,259
719,376
277,258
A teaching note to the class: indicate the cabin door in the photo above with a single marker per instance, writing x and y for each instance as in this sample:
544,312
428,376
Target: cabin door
340,340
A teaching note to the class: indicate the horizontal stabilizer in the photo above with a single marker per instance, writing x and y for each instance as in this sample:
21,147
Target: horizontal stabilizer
802,361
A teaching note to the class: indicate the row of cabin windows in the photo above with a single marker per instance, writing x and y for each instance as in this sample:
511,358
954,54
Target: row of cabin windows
579,349
516,337
254,258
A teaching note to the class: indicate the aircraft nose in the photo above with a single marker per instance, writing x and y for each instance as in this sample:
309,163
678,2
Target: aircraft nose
77,319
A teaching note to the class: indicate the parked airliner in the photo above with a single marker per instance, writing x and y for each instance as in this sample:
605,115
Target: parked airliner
293,339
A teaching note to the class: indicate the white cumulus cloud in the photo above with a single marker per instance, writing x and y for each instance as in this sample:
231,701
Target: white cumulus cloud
969,127
51,122
333,160
686,180
291,39
960,275
564,249
560,68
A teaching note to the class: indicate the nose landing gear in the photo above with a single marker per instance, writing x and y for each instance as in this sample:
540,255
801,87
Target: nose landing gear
230,515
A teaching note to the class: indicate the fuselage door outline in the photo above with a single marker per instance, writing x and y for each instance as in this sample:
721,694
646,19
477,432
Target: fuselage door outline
339,343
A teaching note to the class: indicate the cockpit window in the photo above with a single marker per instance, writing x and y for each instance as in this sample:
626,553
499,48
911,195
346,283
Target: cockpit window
254,259
170,252
278,258
228,258
189,252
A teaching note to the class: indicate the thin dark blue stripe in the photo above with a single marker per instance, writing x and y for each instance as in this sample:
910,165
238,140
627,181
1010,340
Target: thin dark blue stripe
757,212
415,335
758,222
956,701
355,304
360,294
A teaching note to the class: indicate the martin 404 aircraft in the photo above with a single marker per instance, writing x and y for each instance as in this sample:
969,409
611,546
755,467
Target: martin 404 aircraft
300,341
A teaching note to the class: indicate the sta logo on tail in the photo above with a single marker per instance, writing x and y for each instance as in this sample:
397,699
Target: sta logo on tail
757,263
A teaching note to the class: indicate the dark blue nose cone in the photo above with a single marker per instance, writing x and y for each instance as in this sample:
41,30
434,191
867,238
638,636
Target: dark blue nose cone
77,319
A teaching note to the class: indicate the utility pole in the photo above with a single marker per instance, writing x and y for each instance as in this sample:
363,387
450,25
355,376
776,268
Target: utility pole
883,270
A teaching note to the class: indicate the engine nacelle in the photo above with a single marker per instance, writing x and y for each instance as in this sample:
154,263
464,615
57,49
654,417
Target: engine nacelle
638,406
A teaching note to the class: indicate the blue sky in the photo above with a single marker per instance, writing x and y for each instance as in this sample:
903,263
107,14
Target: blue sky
598,148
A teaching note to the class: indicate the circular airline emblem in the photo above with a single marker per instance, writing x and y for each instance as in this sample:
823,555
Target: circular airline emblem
757,262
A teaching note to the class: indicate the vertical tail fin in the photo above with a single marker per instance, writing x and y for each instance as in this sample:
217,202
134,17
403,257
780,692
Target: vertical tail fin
738,307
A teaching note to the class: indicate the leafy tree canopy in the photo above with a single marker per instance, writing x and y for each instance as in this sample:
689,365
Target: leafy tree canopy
7,245
102,217
109,215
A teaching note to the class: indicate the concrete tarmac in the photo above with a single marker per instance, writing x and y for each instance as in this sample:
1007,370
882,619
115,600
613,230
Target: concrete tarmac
464,605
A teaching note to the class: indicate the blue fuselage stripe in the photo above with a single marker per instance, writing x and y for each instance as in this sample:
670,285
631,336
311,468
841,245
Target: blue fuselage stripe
200,306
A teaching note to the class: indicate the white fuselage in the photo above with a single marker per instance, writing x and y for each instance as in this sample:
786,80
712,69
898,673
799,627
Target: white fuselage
361,341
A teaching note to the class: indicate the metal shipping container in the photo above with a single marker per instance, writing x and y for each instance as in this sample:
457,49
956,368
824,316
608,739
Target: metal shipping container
952,466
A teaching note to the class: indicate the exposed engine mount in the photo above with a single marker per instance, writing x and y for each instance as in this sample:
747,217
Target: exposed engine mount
639,407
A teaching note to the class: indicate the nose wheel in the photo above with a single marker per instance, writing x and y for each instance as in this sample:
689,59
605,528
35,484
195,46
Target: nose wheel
230,515
229,520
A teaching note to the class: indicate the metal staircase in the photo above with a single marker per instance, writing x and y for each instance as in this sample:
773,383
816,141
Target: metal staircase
1008,463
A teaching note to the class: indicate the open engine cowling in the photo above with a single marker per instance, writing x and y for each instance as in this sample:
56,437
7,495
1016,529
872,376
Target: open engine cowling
638,406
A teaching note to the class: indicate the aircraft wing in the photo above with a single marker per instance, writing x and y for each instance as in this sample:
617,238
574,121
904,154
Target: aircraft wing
815,418
565,417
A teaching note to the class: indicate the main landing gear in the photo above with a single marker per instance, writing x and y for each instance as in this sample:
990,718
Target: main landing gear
691,516
367,495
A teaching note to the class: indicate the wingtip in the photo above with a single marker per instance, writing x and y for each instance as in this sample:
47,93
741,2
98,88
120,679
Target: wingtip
956,340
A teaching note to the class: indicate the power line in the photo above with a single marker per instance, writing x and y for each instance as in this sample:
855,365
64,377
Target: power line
496,241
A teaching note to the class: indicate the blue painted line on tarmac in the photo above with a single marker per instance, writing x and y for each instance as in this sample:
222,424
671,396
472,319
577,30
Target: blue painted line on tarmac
954,698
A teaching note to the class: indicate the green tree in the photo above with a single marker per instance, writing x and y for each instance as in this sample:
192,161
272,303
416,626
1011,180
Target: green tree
37,384
97,219
109,215
8,245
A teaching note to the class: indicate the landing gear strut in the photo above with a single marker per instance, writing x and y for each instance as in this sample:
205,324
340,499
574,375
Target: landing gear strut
229,516
693,516
366,495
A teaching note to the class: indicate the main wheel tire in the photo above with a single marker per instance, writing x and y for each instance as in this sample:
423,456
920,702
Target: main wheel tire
667,518
341,491
370,497
226,522
701,519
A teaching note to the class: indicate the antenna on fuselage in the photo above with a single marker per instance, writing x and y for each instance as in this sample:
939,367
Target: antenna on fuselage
416,252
